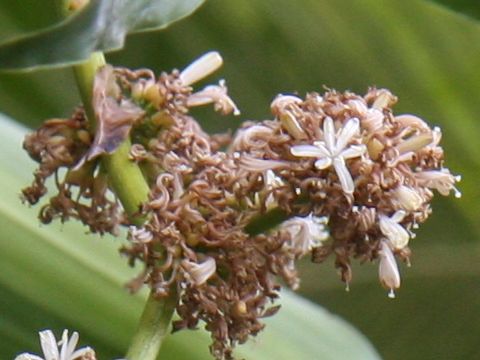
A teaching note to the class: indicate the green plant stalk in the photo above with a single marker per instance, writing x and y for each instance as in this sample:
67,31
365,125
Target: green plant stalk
153,327
130,187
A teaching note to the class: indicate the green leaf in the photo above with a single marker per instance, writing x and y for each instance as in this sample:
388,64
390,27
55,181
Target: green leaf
59,277
101,26
470,8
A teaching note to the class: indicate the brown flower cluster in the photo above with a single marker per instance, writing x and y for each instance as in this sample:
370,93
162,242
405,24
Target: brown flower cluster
334,174
82,193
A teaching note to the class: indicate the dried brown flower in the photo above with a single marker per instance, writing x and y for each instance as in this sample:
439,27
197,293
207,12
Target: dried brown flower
353,179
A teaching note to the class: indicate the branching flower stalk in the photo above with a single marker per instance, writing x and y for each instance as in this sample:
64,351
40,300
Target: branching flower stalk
218,222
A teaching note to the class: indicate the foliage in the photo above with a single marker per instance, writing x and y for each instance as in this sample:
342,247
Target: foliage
101,26
426,55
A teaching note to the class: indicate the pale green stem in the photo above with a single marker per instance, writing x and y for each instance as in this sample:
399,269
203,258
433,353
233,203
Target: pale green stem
129,185
153,328
132,190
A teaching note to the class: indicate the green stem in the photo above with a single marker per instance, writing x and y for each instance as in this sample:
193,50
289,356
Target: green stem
153,328
129,185
266,221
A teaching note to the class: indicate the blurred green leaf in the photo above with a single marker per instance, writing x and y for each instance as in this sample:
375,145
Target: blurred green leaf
101,26
55,277
425,53
468,7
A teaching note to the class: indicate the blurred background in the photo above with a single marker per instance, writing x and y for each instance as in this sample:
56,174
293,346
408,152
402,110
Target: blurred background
428,55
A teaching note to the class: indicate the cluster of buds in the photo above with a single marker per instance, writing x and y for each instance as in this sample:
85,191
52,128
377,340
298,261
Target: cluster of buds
334,174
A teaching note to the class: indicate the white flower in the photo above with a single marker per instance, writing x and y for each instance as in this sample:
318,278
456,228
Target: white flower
306,233
441,180
63,350
407,198
200,273
395,233
334,150
216,95
388,270
201,68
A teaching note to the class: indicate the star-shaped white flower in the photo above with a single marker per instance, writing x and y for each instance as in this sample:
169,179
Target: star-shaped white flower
334,150
63,350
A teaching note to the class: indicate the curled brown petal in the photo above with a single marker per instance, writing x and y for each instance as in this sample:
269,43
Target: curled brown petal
115,116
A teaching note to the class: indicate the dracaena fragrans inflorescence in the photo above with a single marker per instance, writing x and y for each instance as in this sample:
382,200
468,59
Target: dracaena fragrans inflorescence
351,179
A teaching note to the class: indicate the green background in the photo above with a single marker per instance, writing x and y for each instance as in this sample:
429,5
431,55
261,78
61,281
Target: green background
426,54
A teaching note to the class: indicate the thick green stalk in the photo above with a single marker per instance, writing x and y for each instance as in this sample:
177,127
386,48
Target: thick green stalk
125,176
153,328
130,187
265,222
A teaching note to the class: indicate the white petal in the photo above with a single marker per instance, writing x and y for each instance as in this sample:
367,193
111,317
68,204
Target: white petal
394,232
344,175
412,121
348,131
216,94
307,151
323,163
306,233
282,101
26,356
329,133
407,198
83,352
69,347
358,106
398,216
200,273
49,345
253,164
373,120
292,126
353,151
201,68
388,269
271,180
322,146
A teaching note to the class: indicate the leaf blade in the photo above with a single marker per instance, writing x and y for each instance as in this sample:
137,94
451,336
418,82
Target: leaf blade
101,26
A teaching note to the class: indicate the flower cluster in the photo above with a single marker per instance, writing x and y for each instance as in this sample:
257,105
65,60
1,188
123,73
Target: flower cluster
227,218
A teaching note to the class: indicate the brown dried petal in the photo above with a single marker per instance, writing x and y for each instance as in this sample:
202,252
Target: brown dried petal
115,116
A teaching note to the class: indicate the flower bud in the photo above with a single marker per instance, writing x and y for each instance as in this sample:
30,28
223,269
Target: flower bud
201,68
407,198
388,270
395,233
